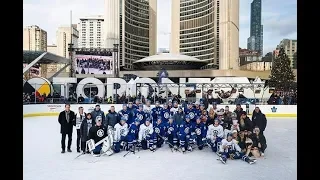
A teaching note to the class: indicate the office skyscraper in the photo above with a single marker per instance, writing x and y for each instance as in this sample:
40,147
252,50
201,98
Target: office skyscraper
255,41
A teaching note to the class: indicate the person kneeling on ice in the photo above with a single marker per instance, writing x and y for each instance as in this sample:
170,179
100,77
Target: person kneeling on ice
199,134
98,136
230,149
184,135
259,143
215,135
133,134
160,131
85,126
171,134
146,135
120,135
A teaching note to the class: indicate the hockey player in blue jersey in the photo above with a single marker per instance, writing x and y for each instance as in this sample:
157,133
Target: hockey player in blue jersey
184,134
159,132
125,113
171,133
121,135
215,134
165,113
199,134
146,135
191,112
197,109
136,105
230,149
133,134
156,111
139,113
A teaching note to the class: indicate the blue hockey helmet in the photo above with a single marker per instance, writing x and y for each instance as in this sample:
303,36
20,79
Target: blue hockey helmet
123,119
187,117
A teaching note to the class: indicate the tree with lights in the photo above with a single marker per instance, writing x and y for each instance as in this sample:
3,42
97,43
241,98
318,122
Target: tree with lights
282,77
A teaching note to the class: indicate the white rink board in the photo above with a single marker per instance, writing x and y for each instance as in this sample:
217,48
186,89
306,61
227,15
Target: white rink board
53,109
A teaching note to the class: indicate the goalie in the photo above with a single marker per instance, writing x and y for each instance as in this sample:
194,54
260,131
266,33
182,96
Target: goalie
99,142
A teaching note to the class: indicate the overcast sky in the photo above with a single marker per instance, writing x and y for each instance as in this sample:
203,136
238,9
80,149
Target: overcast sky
279,18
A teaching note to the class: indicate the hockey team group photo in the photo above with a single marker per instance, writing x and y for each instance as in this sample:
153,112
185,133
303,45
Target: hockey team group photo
229,133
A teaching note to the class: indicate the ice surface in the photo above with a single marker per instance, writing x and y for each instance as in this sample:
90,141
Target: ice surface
42,159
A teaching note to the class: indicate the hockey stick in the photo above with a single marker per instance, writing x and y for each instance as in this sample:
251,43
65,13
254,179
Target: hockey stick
168,143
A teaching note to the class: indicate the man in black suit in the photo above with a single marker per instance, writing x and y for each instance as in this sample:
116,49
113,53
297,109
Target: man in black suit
66,120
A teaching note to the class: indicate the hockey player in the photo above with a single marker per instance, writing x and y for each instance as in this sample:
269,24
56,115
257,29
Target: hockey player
80,116
97,133
147,108
184,135
136,105
191,112
98,112
165,113
139,113
120,135
174,109
159,132
199,134
156,111
230,149
125,113
171,134
146,135
215,135
133,134
85,126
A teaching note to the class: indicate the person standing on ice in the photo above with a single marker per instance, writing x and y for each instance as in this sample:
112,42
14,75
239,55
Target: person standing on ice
98,112
66,120
80,116
84,131
259,119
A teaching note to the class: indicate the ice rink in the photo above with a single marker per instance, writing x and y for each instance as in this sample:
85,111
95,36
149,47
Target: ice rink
42,159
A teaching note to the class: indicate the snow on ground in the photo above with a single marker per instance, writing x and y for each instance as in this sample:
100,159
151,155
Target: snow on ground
42,159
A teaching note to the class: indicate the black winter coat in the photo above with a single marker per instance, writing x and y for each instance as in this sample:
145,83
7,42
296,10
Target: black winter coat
65,127
247,125
238,113
112,118
84,133
93,133
260,120
258,139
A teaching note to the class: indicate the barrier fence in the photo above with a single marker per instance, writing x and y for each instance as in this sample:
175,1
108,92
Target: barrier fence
231,93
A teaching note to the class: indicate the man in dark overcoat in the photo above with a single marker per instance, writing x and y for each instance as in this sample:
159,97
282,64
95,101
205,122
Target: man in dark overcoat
67,121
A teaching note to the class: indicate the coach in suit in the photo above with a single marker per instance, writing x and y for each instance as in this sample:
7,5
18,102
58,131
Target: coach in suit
67,121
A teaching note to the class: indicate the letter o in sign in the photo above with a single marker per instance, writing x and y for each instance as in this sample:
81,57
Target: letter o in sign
95,81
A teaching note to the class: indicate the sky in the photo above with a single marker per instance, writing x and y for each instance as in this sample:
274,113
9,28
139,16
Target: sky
279,18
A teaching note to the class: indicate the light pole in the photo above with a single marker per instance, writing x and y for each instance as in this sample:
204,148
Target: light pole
116,60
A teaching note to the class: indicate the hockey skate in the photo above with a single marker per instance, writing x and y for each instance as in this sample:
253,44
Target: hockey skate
189,148
175,147
223,159
183,149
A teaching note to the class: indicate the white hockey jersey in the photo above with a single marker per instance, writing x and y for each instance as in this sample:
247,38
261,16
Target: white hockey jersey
144,131
79,119
232,146
174,110
120,131
214,131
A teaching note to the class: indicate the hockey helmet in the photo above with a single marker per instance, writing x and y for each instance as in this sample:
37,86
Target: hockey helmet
98,118
187,117
137,120
123,118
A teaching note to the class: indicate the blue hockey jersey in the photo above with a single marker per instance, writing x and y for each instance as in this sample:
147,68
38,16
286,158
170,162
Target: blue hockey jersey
165,114
125,114
186,128
156,111
171,129
140,115
159,129
200,130
192,114
133,131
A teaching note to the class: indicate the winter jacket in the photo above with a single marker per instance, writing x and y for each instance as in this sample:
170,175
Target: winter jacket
95,113
238,113
260,120
84,129
247,125
66,127
258,139
112,118
179,118
227,120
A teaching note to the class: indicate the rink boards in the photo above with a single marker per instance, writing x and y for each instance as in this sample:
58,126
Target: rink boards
33,110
